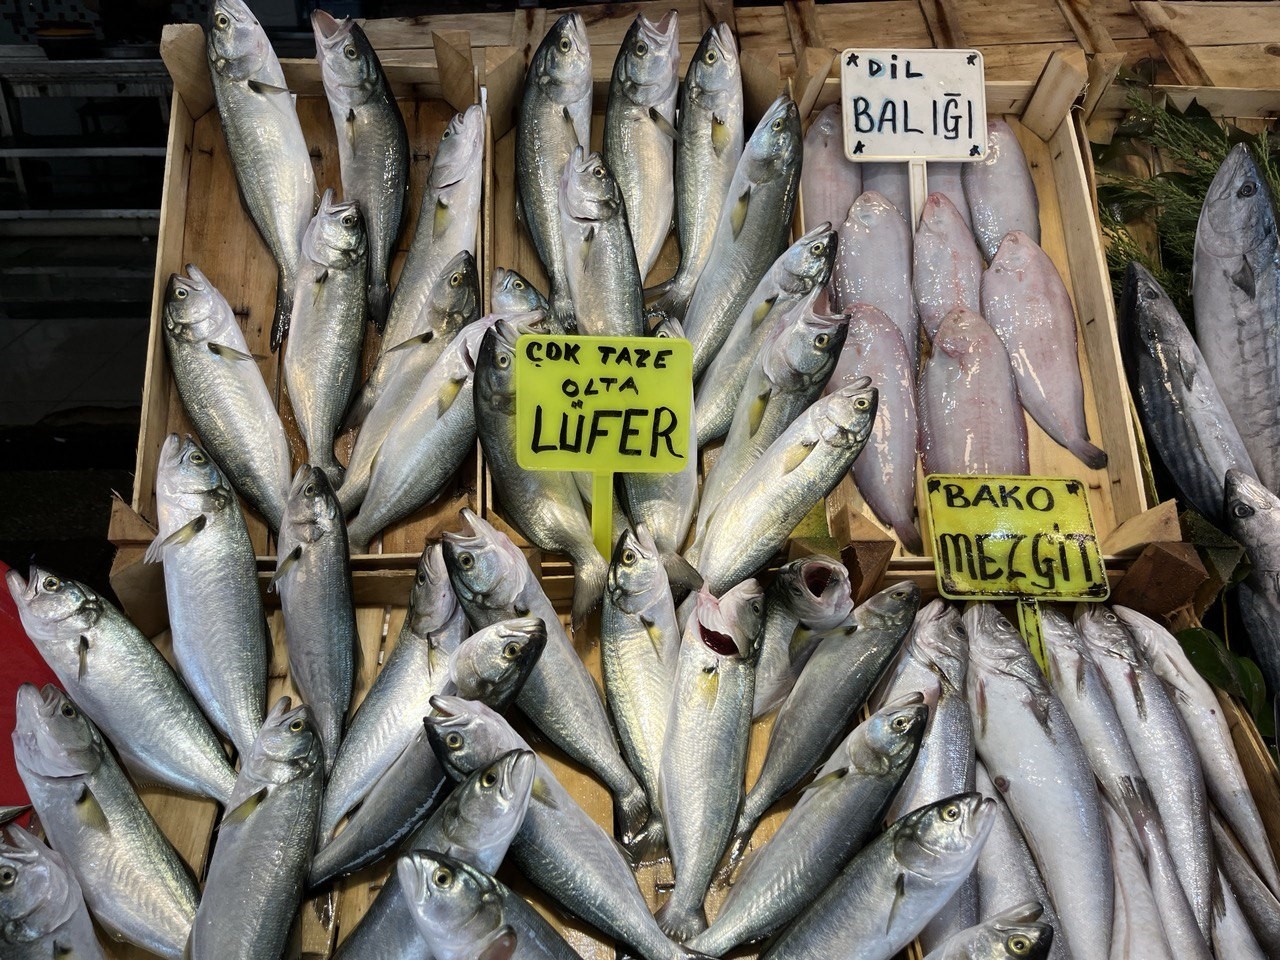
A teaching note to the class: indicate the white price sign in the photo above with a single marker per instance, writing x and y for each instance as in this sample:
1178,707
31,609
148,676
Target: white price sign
913,104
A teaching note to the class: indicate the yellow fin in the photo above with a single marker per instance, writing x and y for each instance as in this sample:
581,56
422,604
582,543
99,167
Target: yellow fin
762,311
242,813
826,778
415,341
285,565
83,650
755,414
182,535
796,456
228,353
663,124
720,135
448,393
542,794
89,811
738,216
440,221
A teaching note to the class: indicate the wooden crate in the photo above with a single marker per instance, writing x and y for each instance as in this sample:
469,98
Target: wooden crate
1217,44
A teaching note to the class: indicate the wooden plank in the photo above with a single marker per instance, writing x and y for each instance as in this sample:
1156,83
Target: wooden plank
1082,18
1258,764
1160,24
183,51
990,23
1060,85
945,28
457,69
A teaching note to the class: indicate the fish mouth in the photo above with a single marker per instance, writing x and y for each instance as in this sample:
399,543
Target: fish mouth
328,29
728,47
664,28
516,775
817,577
717,642
22,591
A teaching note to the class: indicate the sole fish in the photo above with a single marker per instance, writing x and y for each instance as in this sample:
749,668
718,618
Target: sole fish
1000,192
946,267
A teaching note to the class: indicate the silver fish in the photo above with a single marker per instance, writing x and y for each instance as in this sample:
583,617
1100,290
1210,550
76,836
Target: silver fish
1014,934
970,417
512,293
216,621
947,179
640,130
1232,935
553,118
1236,286
1137,931
837,814
946,270
830,181
884,897
706,156
122,683
313,578
322,361
373,145
268,151
1252,895
256,873
480,667
133,880
224,394
42,911
1000,192
752,229
1253,517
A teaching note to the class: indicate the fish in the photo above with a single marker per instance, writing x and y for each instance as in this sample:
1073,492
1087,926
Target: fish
946,267
1250,892
796,276
322,362
553,118
512,293
1021,729
807,598
481,666
947,179
970,418
755,518
313,579
604,279
223,392
96,653
1000,192
704,753
1232,935
1252,511
373,144
835,682
217,625
707,152
836,815
454,303
891,181
475,824
1182,410
830,181
133,881
392,711
887,893
42,911
1235,286
885,471
269,154
640,130
752,230
434,432
1014,934
545,506
1137,931
259,864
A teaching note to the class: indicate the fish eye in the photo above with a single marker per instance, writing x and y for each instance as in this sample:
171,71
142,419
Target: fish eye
455,279
711,56
198,458
817,247
222,21
628,556
7,876
466,561
421,578
951,812
899,595
503,361
598,172
1247,189
1110,617
565,45
453,741
443,877
517,284
1241,510
641,48
349,220
821,340
310,489
68,711
511,650
489,779
776,125
349,51
51,583
1018,945
297,725
755,606
901,723
861,403
180,293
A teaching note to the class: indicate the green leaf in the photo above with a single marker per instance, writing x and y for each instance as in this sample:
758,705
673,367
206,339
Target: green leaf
1237,676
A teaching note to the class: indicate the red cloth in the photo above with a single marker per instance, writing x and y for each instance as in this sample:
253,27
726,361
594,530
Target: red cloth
20,663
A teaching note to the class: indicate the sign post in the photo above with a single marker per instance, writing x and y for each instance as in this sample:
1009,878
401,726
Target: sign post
603,405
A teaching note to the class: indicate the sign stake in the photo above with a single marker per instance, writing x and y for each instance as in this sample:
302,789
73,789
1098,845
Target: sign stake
602,512
1029,627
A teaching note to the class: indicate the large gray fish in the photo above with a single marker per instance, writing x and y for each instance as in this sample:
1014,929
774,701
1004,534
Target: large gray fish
132,879
123,684
946,270
892,181
42,911
873,266
1027,305
313,578
1251,893
373,145
392,711
797,275
837,814
259,863
970,417
454,303
707,154
224,394
1014,934
554,117
830,181
1236,285
544,505
1000,192
839,676
704,754
751,232
948,179
600,260
512,293
559,848
1137,931
494,582
1182,410
640,130
322,361
890,890
1232,934
807,598
885,471
268,151
475,824
1022,730
802,466
1253,515
219,631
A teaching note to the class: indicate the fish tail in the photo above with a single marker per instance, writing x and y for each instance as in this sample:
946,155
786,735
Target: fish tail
284,310
642,833
351,494
562,314
360,406
681,923
589,576
909,536
1091,456
379,296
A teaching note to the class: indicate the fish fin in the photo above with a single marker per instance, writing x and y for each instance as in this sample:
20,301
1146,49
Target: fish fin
797,455
415,341
284,310
448,394
755,413
720,135
257,86
681,573
832,777
980,704
542,794
350,126
440,219
500,946
589,576
568,118
738,215
1082,674
651,630
82,648
1131,675
245,809
222,351
182,535
663,124
1091,456
318,286
286,564
762,311
1245,279
899,895
89,811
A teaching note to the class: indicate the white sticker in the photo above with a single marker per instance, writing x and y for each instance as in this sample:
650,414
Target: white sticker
913,104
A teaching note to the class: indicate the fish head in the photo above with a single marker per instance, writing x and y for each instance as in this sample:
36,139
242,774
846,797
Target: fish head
728,628
235,42
189,479
713,77
512,293
940,216
939,639
460,149
588,191
776,144
1148,319
893,608
562,62
1250,508
490,806
828,125
348,64
453,903
51,608
807,263
467,735
888,741
636,575
806,348
336,235
663,324
288,746
844,419
485,567
496,367
311,511
51,737
1237,212
943,840
1015,934
817,591
960,333
996,646
497,660
432,602
455,297
870,211
37,894
648,63
194,310
1105,634
1015,255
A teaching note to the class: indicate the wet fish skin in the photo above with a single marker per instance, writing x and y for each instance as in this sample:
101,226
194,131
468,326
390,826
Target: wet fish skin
946,268
892,182
216,621
259,864
948,180
970,417
830,181
373,144
1258,903
1232,935
1137,931
122,683
490,665
269,154
132,879
224,394
1000,192
1252,512
1014,934
512,293
42,911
